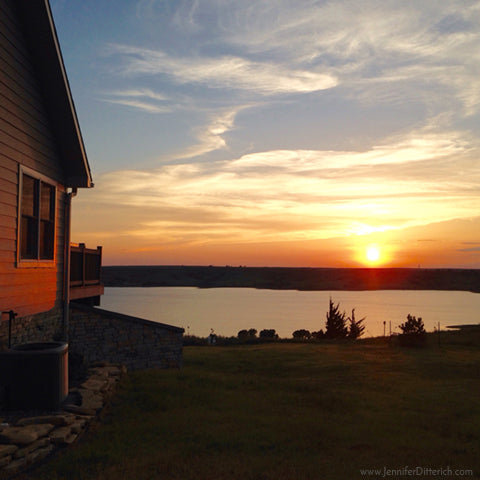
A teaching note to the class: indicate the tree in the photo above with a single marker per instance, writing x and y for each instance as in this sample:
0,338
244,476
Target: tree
413,332
247,335
413,326
356,328
270,334
318,335
336,326
242,334
301,334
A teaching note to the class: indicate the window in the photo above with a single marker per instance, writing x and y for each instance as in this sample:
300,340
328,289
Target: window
37,222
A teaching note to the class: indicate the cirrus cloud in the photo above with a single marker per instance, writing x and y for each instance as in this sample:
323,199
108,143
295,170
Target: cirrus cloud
222,71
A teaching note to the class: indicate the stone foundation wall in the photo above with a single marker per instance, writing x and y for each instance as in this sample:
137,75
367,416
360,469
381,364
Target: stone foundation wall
99,335
42,327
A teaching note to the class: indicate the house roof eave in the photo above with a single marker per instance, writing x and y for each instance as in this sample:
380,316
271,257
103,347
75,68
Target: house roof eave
41,35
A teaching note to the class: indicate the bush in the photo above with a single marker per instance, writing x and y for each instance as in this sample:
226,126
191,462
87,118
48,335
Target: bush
193,340
412,326
413,332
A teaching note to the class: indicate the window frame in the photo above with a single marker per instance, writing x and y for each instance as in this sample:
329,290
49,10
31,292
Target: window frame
38,261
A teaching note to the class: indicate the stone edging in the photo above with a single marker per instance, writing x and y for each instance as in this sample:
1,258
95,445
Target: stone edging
30,439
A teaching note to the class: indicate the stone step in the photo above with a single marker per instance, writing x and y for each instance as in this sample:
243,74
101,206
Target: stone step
57,420
33,438
25,435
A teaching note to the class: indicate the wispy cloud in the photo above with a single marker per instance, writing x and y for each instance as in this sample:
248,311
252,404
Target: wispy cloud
142,99
223,71
146,107
142,93
211,136
390,49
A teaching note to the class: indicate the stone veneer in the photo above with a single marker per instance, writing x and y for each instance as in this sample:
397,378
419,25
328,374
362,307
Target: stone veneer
27,439
42,327
99,335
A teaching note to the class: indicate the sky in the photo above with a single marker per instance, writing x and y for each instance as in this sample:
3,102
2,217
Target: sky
305,133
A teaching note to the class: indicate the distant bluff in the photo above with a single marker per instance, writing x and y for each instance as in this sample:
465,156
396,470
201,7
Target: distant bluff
282,278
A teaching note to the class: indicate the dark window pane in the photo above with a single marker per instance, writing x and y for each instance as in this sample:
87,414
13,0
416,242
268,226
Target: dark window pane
47,202
28,248
29,196
47,235
29,224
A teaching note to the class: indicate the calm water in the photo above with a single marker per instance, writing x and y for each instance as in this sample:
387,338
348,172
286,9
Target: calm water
228,310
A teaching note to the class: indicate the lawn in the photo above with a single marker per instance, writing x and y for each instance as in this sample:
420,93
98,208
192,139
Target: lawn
288,411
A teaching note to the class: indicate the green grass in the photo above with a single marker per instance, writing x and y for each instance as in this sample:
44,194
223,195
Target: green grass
287,411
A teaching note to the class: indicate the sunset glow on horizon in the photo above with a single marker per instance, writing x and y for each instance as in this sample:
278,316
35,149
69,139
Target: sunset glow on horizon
275,133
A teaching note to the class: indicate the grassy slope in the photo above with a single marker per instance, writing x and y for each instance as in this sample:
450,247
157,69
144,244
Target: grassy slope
287,411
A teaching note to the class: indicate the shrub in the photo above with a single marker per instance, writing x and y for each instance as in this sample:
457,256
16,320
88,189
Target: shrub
193,340
412,326
413,332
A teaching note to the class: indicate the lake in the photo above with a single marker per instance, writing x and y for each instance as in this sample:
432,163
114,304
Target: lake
228,310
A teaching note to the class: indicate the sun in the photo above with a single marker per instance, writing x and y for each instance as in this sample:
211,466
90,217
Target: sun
373,254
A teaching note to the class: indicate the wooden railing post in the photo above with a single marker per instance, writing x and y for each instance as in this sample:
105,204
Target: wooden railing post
82,247
99,264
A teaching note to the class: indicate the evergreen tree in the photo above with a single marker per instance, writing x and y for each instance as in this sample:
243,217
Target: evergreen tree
356,328
336,326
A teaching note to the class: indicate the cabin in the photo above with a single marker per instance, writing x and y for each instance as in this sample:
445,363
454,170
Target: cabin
42,166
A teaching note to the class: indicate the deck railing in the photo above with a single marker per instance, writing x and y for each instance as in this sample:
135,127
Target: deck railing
85,265
85,274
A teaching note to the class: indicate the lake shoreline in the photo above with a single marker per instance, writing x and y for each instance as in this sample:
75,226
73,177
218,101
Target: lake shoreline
291,278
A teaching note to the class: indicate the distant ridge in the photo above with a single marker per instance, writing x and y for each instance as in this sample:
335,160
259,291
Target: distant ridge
283,278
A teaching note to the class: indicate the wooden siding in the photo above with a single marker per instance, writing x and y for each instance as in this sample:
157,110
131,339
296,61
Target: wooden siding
25,139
